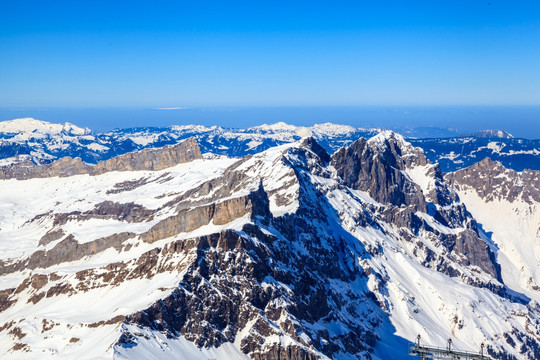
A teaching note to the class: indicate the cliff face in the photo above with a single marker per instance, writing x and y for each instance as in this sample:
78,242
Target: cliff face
491,180
376,166
506,205
147,159
152,159
286,254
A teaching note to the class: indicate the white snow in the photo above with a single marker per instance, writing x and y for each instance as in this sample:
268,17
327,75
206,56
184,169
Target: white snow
156,346
517,237
495,146
30,125
22,200
418,175
279,179
97,147
331,129
283,127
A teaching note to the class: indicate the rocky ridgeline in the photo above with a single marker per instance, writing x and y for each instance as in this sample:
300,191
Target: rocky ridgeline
492,180
147,159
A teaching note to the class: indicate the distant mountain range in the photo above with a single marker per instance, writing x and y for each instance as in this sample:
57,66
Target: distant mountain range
28,139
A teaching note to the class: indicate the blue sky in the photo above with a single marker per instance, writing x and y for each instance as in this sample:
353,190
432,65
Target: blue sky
204,53
107,64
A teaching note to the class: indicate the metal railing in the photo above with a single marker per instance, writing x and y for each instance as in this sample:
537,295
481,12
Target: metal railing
433,352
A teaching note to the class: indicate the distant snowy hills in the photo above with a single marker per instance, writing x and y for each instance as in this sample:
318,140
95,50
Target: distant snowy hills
460,152
27,126
42,142
492,134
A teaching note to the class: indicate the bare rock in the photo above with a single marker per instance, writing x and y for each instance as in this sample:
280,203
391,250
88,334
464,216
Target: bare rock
378,171
491,180
152,159
147,159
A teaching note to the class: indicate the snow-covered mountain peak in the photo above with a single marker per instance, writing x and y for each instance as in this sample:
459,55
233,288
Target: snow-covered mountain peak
488,162
332,129
31,125
401,148
193,128
492,181
386,135
281,127
327,129
499,134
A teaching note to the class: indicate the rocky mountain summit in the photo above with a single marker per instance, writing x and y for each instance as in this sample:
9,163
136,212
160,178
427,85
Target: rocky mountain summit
22,128
492,181
289,253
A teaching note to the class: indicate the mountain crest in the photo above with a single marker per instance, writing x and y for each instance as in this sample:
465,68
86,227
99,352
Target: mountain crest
31,125
492,134
147,159
377,166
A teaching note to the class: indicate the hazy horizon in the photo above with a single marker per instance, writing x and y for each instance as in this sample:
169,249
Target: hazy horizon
420,121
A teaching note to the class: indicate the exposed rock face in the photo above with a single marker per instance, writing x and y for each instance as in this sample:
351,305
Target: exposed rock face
364,167
65,251
51,236
254,204
147,159
66,166
475,252
152,159
506,204
128,212
491,180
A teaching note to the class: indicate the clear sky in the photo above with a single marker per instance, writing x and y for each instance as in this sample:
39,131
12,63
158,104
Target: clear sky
268,53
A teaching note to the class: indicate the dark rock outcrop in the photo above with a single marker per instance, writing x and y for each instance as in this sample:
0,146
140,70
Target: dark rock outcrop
66,250
491,180
147,159
364,167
